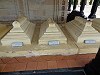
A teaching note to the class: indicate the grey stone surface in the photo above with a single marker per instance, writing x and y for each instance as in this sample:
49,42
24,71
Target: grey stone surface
32,9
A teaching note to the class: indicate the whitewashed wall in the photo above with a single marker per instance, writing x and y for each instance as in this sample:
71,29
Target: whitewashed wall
8,9
32,9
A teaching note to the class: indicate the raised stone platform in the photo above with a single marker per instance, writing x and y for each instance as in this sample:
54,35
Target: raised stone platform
85,36
22,31
96,24
71,47
36,49
50,32
81,30
4,29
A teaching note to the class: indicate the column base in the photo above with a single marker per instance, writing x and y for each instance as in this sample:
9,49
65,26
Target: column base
82,15
69,9
73,14
92,16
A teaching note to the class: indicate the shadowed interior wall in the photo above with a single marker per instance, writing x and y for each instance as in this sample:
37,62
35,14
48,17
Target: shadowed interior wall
32,9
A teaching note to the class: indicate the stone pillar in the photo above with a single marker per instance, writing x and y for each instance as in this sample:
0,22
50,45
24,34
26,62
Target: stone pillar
69,5
79,2
75,4
83,3
94,9
91,2
87,3
63,10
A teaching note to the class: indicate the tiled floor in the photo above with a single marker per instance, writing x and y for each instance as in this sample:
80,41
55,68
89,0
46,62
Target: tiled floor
43,62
